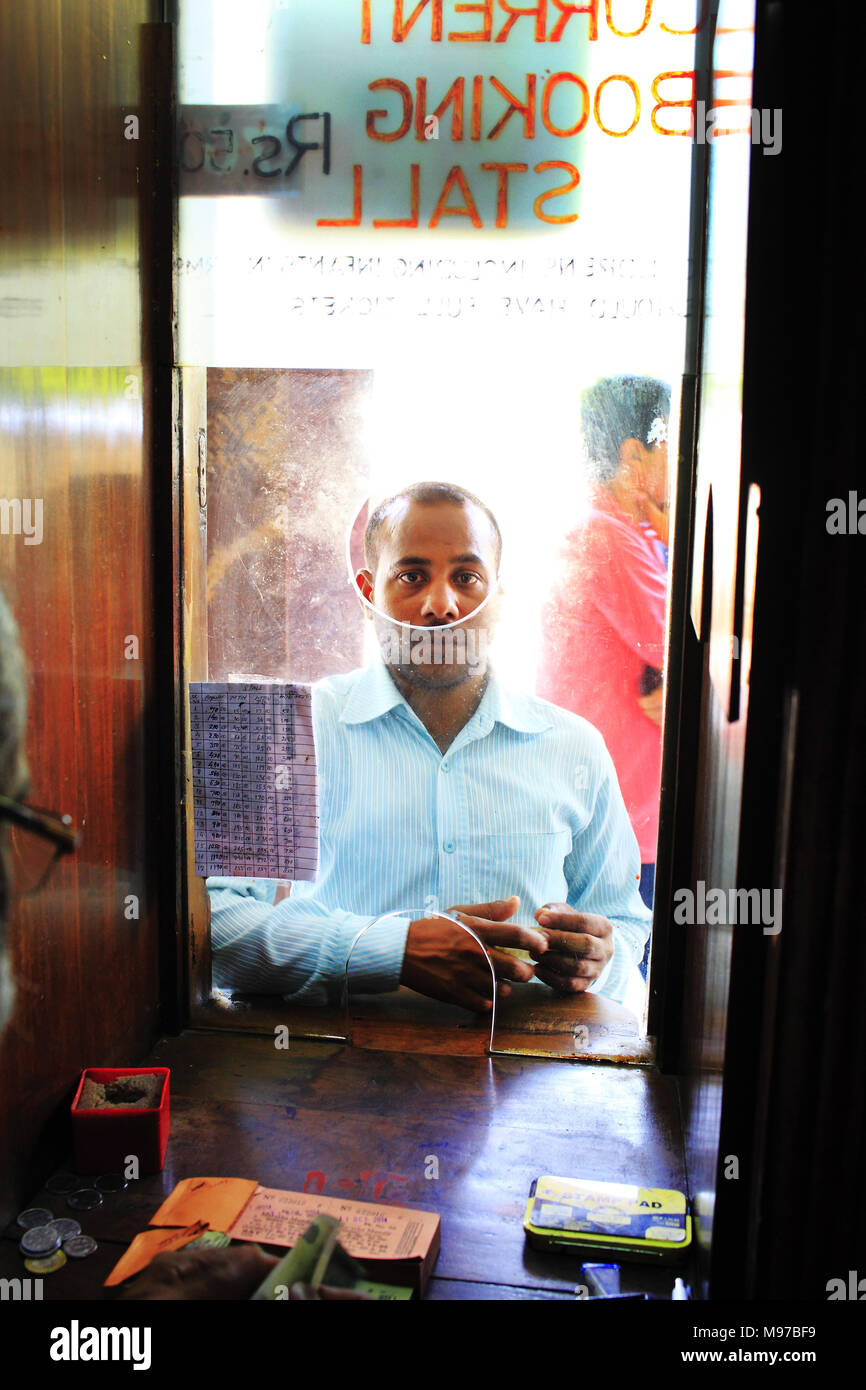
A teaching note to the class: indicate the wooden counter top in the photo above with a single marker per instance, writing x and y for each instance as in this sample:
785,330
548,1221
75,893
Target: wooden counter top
533,1021
354,1122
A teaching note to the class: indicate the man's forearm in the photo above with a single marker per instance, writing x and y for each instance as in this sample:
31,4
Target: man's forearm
298,948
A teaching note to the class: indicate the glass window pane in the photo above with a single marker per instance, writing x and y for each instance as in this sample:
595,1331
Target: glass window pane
412,242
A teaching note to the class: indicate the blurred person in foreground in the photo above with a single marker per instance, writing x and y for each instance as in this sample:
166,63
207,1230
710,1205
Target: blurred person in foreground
232,1273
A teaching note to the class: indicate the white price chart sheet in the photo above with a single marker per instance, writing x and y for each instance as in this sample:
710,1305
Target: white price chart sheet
254,780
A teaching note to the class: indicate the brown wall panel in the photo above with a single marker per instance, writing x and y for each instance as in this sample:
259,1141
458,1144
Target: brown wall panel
74,409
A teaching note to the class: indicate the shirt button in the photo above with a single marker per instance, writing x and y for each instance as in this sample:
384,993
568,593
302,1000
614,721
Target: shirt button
448,846
446,767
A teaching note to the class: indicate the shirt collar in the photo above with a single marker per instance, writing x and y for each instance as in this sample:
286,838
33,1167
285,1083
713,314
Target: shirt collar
375,694
523,713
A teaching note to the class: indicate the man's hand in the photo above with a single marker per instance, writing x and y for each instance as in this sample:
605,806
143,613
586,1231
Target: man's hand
657,517
234,1272
444,963
579,946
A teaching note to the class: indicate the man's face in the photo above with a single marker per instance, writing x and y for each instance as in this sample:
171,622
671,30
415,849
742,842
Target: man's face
437,565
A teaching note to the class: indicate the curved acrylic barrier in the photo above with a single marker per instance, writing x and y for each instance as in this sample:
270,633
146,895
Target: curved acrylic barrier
415,914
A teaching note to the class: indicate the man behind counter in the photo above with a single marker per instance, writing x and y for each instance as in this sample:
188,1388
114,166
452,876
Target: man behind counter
437,786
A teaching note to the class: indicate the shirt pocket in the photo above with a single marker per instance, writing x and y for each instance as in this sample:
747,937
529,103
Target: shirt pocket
528,863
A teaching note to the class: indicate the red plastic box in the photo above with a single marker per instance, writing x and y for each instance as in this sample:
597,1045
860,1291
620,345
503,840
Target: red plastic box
105,1139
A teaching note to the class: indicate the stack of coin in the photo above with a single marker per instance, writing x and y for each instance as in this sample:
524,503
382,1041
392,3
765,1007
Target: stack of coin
44,1235
39,1241
40,1246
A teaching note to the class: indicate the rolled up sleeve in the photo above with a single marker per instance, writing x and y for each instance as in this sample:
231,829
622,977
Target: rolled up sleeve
298,948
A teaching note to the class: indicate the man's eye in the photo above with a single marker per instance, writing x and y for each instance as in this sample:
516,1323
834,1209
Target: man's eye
467,577
410,576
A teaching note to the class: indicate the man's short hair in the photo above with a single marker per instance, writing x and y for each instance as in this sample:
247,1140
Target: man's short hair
426,494
619,408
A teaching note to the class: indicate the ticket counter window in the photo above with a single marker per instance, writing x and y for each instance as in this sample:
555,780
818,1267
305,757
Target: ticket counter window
417,244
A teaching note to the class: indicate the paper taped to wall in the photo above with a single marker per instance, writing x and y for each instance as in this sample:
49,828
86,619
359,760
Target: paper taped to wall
254,780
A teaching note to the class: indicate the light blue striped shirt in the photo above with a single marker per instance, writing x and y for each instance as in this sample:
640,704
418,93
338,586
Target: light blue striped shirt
524,801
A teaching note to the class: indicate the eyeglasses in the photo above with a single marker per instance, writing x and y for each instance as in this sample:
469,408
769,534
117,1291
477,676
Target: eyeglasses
37,840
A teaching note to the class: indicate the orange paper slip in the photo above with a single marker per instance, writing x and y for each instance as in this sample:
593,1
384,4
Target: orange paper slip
149,1244
367,1230
217,1201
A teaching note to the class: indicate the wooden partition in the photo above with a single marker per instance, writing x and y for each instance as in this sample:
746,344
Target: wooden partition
81,184
763,1021
705,1040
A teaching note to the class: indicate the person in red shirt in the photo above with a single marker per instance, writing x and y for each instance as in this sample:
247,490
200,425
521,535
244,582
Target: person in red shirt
603,629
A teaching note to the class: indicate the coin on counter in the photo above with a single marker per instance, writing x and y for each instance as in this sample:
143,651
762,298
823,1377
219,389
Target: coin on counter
64,1183
79,1247
35,1216
111,1182
39,1241
65,1227
47,1266
85,1200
